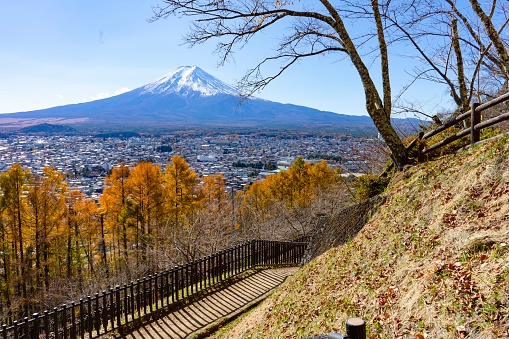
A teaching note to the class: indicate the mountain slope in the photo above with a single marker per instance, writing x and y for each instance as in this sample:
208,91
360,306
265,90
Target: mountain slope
433,262
186,98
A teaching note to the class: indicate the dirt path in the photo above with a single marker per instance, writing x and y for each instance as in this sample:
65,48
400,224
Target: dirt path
214,307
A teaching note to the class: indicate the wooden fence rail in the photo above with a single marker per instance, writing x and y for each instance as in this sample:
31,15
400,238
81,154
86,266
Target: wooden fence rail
96,315
475,125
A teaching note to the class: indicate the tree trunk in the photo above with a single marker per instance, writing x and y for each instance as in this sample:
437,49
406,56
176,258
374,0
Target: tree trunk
493,35
379,113
20,235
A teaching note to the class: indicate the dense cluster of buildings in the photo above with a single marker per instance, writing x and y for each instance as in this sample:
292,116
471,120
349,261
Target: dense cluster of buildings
86,160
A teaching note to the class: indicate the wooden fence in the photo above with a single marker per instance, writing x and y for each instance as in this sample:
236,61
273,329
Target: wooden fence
96,315
474,130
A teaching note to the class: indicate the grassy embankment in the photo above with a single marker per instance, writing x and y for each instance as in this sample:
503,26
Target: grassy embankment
433,262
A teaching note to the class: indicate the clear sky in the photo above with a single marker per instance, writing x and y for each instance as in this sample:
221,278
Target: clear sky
58,52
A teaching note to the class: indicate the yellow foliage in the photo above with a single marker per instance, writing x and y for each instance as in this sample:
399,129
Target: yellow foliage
182,193
295,187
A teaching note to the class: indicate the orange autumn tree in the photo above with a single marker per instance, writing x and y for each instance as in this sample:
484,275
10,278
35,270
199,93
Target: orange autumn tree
13,184
321,176
182,192
214,192
298,186
287,195
45,210
277,187
298,181
218,221
183,200
85,248
145,185
118,211
255,207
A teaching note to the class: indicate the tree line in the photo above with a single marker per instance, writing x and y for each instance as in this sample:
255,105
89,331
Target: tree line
58,245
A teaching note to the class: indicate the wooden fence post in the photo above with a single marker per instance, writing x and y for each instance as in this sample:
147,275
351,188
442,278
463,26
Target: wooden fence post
356,328
15,330
90,316
188,280
150,290
118,306
63,322
105,313
81,326
254,261
126,304
144,296
155,294
25,330
56,325
46,325
475,118
36,324
420,147
172,285
167,286
73,320
98,315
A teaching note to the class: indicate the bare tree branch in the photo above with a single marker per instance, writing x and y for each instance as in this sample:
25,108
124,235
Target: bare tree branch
317,27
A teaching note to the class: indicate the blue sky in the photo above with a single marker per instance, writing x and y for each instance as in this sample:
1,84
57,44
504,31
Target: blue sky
57,52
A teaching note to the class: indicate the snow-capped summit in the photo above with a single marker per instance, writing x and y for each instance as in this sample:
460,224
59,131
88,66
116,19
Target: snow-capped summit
186,80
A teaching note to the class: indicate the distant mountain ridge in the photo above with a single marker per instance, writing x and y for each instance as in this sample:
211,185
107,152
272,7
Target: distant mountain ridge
187,97
47,128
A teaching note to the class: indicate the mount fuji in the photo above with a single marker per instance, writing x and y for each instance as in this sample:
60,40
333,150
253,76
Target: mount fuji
186,98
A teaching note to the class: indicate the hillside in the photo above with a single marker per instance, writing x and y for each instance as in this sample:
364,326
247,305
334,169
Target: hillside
433,261
47,128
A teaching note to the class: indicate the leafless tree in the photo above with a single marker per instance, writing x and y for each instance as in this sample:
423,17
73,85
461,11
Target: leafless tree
314,28
458,46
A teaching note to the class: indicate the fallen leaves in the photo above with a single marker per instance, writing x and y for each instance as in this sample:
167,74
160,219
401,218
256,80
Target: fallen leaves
417,273
450,218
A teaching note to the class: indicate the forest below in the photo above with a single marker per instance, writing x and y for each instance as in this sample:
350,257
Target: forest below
57,245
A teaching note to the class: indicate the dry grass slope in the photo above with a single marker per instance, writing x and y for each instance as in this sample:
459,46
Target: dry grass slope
433,262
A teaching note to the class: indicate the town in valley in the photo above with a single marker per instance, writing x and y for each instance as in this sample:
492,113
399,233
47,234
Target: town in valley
86,159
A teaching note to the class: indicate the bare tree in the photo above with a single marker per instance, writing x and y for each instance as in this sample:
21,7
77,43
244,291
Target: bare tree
457,46
492,33
315,28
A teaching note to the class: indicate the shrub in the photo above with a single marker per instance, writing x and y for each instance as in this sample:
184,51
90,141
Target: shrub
370,185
